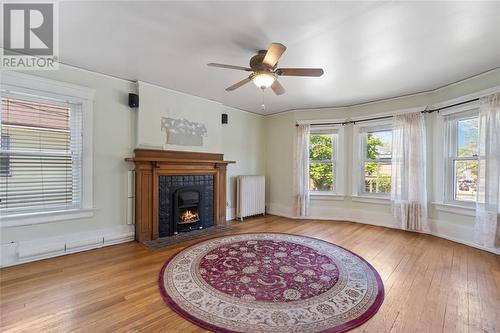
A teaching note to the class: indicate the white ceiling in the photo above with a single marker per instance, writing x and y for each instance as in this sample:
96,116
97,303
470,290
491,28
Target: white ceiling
369,50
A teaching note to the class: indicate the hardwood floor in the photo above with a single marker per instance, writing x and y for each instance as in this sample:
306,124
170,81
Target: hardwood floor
432,285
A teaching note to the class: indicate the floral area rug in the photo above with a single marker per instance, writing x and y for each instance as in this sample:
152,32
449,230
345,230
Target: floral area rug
271,282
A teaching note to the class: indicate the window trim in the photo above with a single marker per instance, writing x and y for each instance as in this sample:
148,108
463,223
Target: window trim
450,208
359,133
450,156
371,199
76,132
439,151
33,86
338,160
46,217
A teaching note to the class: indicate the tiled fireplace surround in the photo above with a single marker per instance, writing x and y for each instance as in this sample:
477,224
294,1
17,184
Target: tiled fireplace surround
168,187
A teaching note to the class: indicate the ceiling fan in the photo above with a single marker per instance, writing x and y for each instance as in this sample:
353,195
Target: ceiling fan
264,72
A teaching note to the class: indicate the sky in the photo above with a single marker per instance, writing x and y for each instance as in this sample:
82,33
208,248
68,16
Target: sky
467,132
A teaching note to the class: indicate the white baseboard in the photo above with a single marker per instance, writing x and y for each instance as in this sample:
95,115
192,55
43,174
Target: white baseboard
338,214
458,233
454,232
471,244
26,251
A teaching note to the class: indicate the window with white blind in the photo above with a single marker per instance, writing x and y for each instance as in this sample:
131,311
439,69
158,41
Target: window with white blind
41,151
45,151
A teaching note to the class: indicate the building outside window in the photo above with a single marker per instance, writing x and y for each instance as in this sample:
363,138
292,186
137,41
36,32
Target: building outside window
40,151
4,160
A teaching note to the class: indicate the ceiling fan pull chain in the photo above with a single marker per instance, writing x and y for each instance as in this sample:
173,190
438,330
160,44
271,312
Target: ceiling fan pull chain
263,106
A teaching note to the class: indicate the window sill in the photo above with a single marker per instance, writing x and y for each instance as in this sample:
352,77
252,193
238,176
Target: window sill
455,209
326,196
45,217
370,199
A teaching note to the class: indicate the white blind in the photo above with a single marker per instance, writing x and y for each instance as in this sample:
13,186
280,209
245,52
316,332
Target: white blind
40,155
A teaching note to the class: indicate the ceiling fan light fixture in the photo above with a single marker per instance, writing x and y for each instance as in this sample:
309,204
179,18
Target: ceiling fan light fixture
263,80
264,71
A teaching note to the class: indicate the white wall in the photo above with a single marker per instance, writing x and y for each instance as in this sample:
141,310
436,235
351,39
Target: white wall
117,130
157,102
113,140
281,136
241,140
112,129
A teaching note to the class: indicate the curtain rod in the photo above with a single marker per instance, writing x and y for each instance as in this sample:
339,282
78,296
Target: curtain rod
387,117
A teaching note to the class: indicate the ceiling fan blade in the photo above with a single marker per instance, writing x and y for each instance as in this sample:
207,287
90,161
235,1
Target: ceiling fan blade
212,64
273,54
277,88
300,71
238,84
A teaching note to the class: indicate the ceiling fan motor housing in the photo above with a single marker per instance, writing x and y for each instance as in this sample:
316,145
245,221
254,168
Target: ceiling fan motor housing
256,62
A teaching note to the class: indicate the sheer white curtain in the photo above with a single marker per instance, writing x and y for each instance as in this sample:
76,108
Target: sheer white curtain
488,186
408,191
302,170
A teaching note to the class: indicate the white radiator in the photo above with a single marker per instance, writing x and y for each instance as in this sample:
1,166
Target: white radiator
250,196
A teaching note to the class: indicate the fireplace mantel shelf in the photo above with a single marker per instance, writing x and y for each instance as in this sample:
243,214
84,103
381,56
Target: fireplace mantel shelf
174,160
174,156
150,164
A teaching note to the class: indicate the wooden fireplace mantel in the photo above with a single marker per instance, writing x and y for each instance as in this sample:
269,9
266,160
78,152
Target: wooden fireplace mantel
152,163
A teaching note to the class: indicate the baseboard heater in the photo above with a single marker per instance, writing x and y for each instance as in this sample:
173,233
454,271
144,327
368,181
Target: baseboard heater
250,196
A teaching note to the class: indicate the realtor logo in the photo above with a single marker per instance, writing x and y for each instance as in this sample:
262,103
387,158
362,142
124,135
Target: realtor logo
29,34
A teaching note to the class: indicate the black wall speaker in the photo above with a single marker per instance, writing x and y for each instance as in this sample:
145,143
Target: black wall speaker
133,100
224,118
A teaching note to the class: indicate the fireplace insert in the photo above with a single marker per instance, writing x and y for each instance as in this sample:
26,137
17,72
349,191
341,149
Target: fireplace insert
187,209
185,203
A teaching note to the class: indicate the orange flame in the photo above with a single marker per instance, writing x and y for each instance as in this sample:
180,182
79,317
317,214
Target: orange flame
188,216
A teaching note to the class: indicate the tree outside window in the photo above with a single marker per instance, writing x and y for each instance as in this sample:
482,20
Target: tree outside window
322,162
377,164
